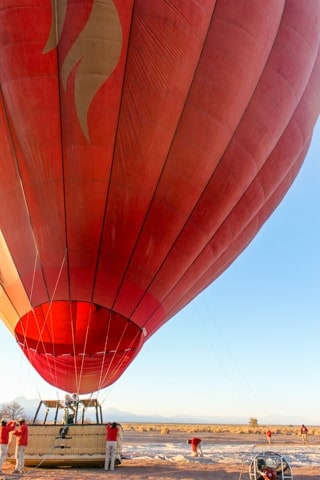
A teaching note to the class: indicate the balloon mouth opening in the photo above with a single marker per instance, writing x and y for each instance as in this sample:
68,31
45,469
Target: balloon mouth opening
71,343
76,328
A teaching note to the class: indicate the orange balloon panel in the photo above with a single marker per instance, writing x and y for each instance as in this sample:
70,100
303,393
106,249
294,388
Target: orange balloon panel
143,145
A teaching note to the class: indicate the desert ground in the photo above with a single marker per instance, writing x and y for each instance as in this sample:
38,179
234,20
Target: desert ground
184,468
154,470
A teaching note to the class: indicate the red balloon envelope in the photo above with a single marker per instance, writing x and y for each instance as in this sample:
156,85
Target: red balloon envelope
143,145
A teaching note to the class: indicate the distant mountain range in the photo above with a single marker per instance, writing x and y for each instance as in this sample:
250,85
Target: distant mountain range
113,414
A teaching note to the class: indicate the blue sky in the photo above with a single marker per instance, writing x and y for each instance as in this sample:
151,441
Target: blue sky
247,347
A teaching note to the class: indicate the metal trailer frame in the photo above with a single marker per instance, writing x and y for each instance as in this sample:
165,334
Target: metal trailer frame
269,466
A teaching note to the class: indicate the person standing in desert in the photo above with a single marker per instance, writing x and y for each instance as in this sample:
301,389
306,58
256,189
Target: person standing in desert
304,433
111,445
269,435
5,429
22,442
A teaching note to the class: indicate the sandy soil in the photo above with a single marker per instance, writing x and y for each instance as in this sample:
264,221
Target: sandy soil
156,469
153,470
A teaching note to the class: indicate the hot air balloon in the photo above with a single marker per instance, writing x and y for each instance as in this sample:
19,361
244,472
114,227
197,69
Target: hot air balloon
143,144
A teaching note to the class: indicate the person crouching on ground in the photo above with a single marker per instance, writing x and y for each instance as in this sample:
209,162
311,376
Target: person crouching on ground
21,443
5,429
111,445
196,449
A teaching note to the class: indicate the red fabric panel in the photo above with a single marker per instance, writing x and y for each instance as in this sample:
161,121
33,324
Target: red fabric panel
200,140
87,164
284,164
241,165
160,66
30,90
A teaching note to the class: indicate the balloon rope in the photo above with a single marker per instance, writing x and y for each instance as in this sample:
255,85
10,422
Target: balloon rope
51,301
31,292
84,351
124,353
34,274
74,349
25,328
104,351
53,373
240,374
111,360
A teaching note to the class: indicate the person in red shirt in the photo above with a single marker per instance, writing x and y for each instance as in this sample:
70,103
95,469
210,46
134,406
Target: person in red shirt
268,473
5,429
112,431
196,449
304,433
21,443
269,435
